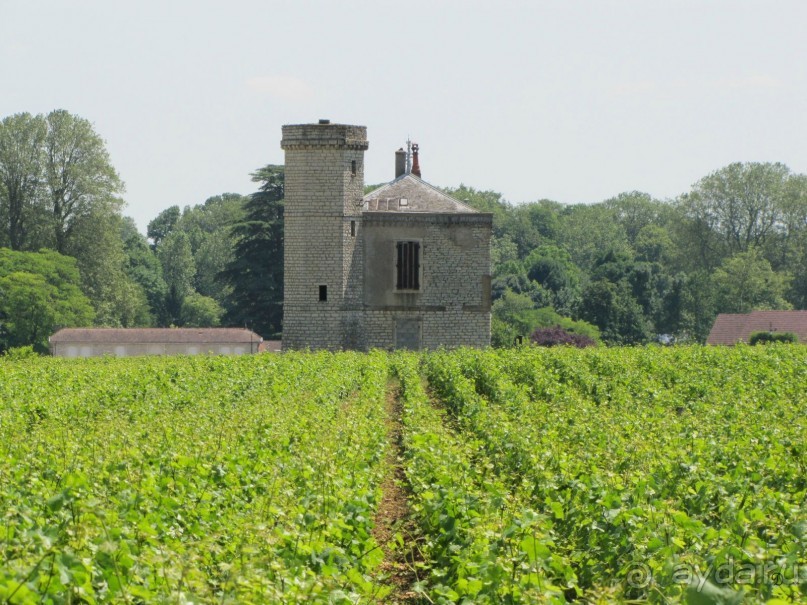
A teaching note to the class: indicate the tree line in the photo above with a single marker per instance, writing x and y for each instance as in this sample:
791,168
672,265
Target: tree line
629,270
634,269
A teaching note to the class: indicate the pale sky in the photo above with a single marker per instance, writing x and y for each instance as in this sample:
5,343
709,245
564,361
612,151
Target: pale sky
567,100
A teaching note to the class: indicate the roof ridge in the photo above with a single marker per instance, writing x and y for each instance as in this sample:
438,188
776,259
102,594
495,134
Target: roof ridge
441,192
175,328
402,185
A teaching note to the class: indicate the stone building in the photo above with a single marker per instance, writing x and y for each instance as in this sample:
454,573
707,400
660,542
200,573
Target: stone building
405,266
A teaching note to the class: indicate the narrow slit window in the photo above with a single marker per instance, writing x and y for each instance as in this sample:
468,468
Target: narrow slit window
323,293
407,268
353,167
352,228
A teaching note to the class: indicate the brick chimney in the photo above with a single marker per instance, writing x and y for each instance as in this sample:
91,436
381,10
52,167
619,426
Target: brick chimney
415,163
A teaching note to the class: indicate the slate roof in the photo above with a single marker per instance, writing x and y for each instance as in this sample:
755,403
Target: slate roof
731,328
409,193
155,335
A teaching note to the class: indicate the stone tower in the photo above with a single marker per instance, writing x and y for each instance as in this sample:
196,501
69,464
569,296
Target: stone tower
323,271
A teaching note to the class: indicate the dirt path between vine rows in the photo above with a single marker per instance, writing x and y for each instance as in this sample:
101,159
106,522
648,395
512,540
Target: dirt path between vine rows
393,516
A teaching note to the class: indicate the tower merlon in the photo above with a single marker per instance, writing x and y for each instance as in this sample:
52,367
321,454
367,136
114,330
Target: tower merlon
340,136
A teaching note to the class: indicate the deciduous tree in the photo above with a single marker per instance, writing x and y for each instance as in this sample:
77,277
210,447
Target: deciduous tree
176,258
611,307
746,282
39,291
160,227
79,177
732,210
586,231
98,248
21,153
200,311
143,268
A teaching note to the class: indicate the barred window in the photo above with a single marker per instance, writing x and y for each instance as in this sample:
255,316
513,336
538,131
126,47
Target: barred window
408,266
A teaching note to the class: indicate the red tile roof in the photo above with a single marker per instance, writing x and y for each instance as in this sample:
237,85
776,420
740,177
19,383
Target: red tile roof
155,335
731,328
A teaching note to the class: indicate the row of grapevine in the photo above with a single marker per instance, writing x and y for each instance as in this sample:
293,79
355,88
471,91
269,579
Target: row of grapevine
667,474
480,544
246,480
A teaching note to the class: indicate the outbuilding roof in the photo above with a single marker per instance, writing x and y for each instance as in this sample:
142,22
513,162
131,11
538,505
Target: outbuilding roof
409,193
155,335
731,328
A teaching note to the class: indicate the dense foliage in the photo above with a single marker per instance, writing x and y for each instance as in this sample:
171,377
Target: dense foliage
532,475
39,291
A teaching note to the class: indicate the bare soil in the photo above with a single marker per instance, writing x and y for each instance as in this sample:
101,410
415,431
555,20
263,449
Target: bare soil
399,566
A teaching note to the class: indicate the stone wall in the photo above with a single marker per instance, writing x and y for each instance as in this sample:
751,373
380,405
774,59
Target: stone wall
453,304
449,328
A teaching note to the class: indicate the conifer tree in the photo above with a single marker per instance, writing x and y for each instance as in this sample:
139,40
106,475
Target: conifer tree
256,272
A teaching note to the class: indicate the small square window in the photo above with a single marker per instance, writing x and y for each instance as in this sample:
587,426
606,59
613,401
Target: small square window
323,293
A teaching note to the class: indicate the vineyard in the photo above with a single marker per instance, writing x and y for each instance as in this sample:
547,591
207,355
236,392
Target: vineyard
524,476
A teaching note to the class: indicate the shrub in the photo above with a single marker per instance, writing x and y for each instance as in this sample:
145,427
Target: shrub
515,315
761,338
556,335
18,353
